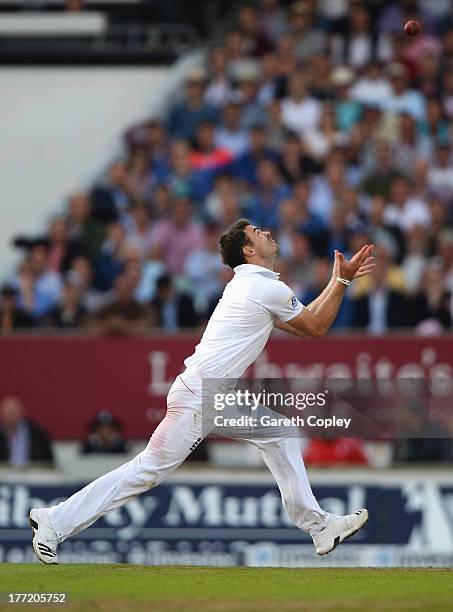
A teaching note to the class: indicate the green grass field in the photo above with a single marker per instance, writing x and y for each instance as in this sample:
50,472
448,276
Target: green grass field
118,588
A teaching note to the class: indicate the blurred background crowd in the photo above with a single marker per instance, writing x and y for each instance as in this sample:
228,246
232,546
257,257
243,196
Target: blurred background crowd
321,121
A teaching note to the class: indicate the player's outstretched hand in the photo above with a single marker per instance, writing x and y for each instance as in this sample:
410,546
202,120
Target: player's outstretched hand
360,264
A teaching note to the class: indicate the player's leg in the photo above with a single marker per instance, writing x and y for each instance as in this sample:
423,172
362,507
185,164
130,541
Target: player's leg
172,441
284,459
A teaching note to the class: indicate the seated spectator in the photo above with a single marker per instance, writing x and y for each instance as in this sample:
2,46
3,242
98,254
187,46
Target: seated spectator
403,99
175,236
109,264
382,232
62,248
299,273
207,160
105,436
310,40
296,161
440,174
263,206
219,87
70,312
256,41
432,302
245,167
409,147
247,95
139,180
111,196
347,110
229,135
326,189
38,287
272,19
203,270
380,304
81,274
173,309
300,112
381,173
138,226
193,110
12,317
358,46
22,442
323,139
124,314
83,229
405,210
372,87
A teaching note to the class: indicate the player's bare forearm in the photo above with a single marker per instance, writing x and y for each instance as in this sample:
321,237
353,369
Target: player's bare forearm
367,266
316,321
286,327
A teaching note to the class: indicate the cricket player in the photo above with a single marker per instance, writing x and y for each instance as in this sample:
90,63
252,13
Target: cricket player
253,303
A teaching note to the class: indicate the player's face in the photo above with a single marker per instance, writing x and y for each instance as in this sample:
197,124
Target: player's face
262,241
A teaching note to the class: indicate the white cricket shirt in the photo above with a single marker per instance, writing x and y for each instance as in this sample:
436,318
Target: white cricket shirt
242,322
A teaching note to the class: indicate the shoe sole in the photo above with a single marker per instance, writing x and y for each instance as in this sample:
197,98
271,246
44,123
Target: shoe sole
34,541
346,534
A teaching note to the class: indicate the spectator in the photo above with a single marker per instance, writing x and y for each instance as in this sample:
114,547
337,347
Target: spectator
432,302
174,309
309,39
105,436
39,288
372,87
219,88
440,174
81,275
138,226
404,209
263,207
12,317
83,229
111,197
175,236
403,99
109,264
22,442
124,315
381,305
187,116
300,112
69,313
229,135
256,41
360,45
245,167
203,270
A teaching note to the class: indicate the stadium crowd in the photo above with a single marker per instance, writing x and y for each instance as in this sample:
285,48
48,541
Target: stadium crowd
321,121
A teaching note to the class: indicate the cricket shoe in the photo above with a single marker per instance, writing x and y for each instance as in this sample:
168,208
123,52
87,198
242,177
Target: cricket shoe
45,539
338,528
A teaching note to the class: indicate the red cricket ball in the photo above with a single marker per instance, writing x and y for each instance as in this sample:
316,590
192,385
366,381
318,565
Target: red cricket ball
412,27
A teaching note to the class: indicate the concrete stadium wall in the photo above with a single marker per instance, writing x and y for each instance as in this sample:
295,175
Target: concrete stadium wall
59,129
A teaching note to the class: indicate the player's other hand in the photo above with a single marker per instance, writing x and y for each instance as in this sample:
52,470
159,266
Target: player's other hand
360,264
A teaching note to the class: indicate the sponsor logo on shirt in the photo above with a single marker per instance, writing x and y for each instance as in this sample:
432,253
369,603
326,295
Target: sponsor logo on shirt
293,301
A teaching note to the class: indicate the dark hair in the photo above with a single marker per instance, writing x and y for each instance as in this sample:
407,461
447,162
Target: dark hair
232,243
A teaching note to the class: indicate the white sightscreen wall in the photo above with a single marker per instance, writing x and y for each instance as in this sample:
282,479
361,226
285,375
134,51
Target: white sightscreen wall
59,128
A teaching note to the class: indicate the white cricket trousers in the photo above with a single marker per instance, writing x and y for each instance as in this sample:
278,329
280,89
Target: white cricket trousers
173,440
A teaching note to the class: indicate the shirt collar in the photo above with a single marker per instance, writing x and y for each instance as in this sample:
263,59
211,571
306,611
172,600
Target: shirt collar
253,269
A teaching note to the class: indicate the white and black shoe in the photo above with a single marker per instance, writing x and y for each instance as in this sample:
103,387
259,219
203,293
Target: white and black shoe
45,539
337,529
